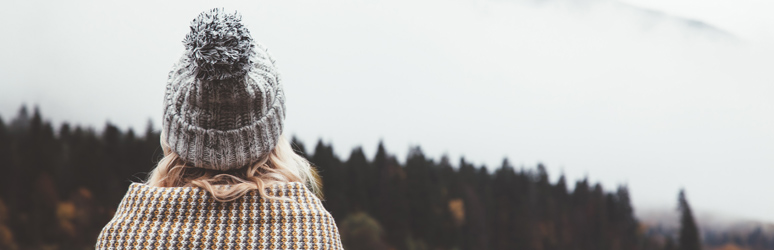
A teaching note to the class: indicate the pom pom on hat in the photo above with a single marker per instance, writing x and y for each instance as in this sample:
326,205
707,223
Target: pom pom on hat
219,46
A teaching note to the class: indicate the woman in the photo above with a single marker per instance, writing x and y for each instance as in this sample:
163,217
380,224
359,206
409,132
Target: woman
228,180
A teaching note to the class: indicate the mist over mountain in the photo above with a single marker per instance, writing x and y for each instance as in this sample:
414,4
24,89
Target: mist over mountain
717,230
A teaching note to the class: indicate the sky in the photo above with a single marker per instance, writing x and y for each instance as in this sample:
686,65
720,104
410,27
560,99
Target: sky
657,95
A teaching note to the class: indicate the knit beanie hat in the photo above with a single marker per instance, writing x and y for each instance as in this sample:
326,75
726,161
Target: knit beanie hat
224,106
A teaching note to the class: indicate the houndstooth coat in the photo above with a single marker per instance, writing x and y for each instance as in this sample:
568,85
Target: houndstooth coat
189,218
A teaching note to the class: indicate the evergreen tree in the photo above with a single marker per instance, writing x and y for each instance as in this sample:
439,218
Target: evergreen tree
378,171
689,232
335,180
5,162
563,227
452,208
21,122
483,185
381,178
152,152
393,201
64,175
422,195
358,171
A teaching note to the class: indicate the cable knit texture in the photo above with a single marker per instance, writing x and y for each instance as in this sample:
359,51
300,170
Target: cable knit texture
224,106
189,218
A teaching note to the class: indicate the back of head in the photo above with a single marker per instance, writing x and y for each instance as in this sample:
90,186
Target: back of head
224,111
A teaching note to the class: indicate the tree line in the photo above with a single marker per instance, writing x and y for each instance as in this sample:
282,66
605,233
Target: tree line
59,187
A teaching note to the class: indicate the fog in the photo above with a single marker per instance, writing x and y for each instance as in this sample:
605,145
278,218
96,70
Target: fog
598,88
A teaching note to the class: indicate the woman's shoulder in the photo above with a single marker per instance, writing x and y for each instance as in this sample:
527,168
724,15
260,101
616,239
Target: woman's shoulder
296,208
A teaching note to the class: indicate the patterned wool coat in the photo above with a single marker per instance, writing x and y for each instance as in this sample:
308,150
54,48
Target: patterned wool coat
189,218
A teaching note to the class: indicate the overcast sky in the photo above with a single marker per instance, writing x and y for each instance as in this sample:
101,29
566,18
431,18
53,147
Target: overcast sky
654,94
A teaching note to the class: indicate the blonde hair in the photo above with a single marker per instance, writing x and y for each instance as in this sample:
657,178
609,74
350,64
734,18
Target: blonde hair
282,165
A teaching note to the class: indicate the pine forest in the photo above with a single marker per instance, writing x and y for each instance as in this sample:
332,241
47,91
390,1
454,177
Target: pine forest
60,185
